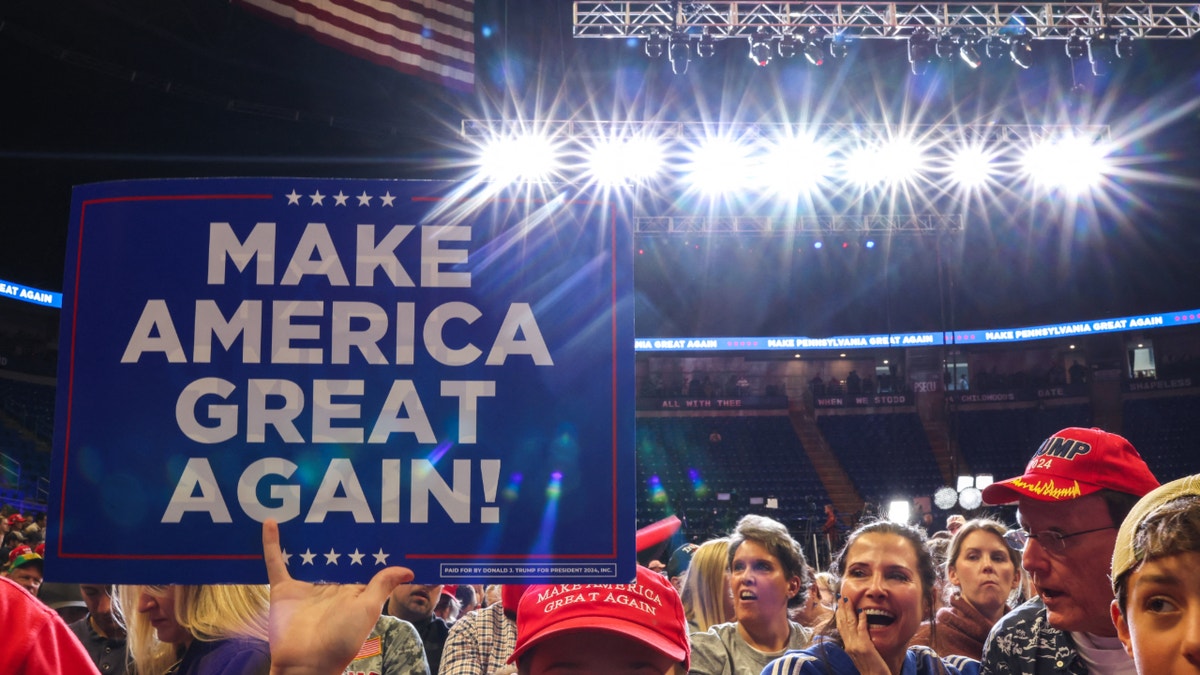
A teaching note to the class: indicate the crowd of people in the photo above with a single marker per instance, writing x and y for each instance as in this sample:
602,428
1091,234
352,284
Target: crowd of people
1099,575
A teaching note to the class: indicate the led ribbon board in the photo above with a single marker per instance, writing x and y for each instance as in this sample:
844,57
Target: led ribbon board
400,373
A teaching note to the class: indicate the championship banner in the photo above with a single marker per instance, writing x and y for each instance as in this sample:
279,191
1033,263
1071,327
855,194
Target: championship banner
399,372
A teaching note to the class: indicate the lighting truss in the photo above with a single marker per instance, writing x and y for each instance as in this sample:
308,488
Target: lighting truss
828,225
886,20
582,131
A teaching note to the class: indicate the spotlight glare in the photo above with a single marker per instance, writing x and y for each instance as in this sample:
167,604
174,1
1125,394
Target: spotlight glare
794,165
972,167
1073,164
618,162
897,161
718,165
528,157
970,55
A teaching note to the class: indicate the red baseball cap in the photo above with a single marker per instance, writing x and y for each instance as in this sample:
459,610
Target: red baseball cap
648,610
1074,463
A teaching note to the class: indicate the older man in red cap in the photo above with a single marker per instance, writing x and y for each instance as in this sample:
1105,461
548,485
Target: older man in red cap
1072,498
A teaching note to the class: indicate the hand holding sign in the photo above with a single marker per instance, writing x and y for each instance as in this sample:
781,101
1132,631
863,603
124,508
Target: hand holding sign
318,628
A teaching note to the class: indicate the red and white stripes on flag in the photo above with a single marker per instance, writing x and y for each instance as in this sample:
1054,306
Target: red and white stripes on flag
433,39
372,647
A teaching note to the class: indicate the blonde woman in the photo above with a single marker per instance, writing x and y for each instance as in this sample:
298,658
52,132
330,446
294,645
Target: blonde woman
707,600
197,630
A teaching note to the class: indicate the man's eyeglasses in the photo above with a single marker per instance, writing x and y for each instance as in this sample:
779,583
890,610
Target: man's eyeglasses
1054,542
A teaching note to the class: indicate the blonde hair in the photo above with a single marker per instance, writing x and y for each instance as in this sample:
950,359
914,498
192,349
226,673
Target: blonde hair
703,592
208,613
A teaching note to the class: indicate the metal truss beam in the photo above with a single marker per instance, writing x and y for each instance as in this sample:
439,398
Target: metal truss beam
886,20
581,131
921,224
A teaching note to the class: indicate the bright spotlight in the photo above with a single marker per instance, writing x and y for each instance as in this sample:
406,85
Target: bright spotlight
896,161
719,165
794,165
527,157
619,162
971,167
760,47
1072,164
870,243
899,511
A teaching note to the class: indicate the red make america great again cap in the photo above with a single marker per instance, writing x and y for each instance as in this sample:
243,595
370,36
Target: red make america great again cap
1074,463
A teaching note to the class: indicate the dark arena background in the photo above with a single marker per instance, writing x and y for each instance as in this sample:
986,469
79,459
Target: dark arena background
874,263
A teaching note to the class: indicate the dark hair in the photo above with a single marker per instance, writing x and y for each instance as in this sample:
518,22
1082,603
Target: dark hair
1170,529
773,536
1119,504
925,565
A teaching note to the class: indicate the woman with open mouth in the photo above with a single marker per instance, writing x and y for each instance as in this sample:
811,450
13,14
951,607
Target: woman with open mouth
886,587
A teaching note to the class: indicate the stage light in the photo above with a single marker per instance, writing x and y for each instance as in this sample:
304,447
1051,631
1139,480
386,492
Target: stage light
993,47
945,497
787,46
1124,47
812,49
760,47
1020,50
526,157
944,46
794,164
707,46
896,161
818,245
719,165
618,162
680,53
921,51
969,54
971,167
656,44
838,47
899,511
1101,51
1076,47
1072,164
870,243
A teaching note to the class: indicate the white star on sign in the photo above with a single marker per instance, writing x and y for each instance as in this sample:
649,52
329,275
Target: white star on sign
340,198
331,558
287,557
364,199
388,198
356,557
307,557
293,197
381,557
317,198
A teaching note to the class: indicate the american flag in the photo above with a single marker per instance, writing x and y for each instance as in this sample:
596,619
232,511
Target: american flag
370,648
432,39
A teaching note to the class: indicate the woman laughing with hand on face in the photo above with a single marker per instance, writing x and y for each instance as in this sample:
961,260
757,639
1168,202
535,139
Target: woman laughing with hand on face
886,587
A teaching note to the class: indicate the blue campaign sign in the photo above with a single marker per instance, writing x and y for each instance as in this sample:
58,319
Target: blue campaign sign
403,373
